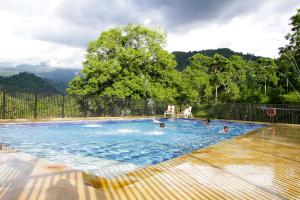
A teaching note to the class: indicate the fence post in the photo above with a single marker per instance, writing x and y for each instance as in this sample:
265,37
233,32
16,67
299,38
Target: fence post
3,104
35,106
85,105
63,106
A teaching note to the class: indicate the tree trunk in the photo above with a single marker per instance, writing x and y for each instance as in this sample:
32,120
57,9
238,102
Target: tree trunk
265,87
216,93
287,85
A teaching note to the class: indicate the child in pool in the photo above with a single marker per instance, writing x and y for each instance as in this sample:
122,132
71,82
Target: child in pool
206,122
226,129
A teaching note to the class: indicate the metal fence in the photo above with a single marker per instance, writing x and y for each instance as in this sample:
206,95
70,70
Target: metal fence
16,105
289,114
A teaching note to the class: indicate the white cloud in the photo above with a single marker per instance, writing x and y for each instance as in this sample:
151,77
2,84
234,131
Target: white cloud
261,33
21,25
57,31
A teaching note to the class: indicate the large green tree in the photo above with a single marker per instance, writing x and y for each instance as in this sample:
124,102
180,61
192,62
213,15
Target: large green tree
293,47
195,79
128,62
289,62
265,73
217,71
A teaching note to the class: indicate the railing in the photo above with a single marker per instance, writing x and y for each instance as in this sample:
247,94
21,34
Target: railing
16,105
289,114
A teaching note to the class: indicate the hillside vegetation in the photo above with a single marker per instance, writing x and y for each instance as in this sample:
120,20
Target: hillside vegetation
26,82
182,58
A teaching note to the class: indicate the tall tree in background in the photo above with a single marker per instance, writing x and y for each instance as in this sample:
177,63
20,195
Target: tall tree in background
128,62
234,76
216,70
294,38
289,62
266,73
197,78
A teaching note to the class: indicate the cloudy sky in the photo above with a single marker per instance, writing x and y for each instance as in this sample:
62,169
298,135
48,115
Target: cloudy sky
57,31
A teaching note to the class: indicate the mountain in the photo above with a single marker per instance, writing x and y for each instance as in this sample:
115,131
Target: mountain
58,85
8,69
182,57
42,70
26,82
56,77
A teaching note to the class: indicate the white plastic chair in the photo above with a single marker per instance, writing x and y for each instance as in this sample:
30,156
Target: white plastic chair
170,111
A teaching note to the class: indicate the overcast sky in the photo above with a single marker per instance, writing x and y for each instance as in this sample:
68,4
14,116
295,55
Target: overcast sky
57,31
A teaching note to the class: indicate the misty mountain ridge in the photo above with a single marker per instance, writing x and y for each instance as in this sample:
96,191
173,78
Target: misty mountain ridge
26,82
42,70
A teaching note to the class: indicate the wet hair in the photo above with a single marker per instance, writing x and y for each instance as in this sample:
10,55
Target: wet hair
225,127
208,120
162,125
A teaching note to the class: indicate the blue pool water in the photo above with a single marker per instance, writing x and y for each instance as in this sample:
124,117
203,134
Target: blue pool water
135,142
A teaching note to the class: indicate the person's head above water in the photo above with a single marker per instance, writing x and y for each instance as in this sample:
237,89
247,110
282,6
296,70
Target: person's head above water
225,129
206,122
162,125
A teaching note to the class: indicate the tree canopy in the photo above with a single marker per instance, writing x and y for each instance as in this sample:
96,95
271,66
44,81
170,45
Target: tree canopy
289,62
130,62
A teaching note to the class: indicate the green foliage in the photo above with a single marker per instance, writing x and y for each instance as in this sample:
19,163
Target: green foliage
26,82
182,58
294,38
289,62
291,98
128,62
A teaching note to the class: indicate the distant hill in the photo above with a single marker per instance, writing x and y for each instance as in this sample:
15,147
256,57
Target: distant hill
59,74
58,85
56,77
26,82
182,57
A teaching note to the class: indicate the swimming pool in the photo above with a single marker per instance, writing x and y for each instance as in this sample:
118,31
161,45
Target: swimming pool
111,147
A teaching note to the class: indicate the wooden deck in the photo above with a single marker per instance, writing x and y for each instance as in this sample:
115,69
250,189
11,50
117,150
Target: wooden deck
263,164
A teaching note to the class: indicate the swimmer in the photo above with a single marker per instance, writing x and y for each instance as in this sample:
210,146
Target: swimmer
206,122
162,125
155,121
225,129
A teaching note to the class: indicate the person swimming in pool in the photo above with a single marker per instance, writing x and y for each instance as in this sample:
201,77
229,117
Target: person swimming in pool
161,124
226,129
206,122
156,121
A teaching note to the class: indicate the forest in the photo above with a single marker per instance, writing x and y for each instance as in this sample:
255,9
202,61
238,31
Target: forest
131,62
26,82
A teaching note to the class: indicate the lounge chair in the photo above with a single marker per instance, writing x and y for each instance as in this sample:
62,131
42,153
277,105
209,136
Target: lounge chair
187,113
170,111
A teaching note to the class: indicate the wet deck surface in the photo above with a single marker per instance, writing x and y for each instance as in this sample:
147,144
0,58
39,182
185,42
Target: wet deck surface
263,164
